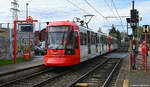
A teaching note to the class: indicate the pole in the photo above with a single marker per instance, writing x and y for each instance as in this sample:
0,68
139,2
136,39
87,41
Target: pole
133,4
27,10
146,52
130,61
14,42
127,28
29,47
9,40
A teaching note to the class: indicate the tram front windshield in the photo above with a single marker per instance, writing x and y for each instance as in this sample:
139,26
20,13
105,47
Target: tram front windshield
57,36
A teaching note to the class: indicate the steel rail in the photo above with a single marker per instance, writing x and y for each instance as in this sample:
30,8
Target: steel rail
86,74
40,84
32,75
106,83
20,70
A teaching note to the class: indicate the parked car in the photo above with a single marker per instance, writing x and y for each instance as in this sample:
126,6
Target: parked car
40,49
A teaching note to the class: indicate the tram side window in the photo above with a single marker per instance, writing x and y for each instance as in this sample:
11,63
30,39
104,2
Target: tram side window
88,36
106,40
76,38
81,38
92,39
85,39
103,40
112,41
97,39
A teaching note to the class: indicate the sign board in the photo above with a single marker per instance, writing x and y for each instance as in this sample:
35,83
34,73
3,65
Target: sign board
133,24
26,27
145,28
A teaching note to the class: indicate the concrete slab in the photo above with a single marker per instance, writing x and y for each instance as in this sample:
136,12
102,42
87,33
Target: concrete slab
117,55
135,78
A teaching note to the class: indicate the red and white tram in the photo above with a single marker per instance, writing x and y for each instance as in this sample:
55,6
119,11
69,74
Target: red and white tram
69,44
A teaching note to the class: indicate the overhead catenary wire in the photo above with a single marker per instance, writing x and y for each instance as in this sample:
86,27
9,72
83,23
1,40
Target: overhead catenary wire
111,9
118,14
97,11
94,9
77,6
80,8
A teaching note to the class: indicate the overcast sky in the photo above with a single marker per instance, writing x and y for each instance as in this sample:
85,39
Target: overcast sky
55,10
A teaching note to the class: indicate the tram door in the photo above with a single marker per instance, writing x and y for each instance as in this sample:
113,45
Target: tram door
89,42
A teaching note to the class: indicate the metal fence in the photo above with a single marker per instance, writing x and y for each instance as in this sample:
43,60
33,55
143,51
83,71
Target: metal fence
7,38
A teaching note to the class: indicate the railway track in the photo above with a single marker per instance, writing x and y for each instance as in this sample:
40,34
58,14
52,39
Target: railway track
34,79
54,77
65,80
100,76
70,77
16,74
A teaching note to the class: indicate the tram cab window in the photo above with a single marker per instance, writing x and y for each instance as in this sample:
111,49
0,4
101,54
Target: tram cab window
57,37
70,41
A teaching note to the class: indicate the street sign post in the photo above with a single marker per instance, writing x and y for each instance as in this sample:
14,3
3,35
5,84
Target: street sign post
145,30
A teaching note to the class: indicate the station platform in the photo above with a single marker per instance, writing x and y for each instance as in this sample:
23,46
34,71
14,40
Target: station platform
35,61
134,78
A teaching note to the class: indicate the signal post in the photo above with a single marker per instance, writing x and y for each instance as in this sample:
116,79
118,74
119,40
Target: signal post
134,21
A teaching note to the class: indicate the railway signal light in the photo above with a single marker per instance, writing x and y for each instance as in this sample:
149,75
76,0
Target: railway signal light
134,16
128,20
137,16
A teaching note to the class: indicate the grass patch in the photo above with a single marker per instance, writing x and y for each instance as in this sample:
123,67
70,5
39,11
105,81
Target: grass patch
11,61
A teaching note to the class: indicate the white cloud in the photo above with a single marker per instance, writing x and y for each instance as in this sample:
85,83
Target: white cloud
54,10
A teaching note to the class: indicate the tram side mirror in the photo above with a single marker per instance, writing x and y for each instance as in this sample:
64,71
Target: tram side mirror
46,36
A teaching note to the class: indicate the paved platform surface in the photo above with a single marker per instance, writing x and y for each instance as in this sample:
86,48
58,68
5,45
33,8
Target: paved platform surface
117,55
135,78
38,60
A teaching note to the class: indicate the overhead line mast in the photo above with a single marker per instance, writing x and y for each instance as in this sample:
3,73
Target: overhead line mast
15,9
134,21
